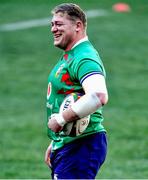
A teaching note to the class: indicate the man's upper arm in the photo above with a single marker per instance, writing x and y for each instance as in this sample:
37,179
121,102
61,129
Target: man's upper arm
95,83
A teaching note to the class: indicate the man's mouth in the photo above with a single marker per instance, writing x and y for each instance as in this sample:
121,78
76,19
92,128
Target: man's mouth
57,36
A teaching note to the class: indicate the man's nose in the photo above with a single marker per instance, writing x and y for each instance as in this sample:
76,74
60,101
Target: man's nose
54,28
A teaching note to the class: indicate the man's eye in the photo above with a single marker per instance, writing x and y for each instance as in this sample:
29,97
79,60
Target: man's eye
59,25
56,24
51,24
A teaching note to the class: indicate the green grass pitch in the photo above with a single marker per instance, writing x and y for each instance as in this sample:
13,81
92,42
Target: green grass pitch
28,55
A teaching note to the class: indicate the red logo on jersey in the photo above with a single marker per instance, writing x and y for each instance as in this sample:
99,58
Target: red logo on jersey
48,90
66,79
61,91
65,56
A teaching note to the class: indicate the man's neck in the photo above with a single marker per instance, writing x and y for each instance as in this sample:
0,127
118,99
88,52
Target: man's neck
80,41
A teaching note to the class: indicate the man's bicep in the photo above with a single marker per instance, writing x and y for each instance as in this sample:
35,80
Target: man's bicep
95,83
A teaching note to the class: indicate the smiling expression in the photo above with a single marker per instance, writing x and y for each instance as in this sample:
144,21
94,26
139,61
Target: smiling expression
64,31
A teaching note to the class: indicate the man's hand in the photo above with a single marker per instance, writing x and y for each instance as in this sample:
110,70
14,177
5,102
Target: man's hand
56,122
47,155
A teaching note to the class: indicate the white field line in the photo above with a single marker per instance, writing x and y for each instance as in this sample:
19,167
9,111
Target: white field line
43,22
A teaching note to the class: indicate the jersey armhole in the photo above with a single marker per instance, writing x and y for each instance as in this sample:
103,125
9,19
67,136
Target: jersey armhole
90,74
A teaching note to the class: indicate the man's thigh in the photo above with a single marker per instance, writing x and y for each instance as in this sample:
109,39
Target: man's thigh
80,159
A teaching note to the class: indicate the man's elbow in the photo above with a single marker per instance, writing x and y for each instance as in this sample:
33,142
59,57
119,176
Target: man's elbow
103,97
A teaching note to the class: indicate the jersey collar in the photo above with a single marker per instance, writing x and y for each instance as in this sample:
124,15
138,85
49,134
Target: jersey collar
80,41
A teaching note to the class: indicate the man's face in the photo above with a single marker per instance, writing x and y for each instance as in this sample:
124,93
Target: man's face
64,31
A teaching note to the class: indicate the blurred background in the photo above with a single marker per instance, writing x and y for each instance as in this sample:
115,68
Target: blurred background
27,54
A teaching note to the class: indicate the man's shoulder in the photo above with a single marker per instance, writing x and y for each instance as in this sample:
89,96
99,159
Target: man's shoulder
85,50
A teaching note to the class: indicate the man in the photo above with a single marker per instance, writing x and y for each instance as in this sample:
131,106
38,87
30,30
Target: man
78,70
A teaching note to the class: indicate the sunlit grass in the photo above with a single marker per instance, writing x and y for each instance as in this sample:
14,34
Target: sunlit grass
26,58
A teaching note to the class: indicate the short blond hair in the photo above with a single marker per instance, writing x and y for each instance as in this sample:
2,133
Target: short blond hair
73,11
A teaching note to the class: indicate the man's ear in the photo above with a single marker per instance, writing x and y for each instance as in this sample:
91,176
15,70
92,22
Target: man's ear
79,26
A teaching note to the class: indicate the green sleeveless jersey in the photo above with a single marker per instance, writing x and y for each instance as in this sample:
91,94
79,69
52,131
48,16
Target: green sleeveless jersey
67,77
